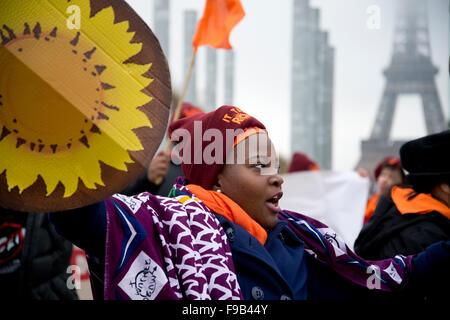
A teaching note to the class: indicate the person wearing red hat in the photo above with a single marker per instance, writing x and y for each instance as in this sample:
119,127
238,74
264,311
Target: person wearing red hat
387,173
224,216
187,110
215,182
301,162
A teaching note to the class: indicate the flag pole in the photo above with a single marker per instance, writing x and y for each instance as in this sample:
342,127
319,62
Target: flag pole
183,93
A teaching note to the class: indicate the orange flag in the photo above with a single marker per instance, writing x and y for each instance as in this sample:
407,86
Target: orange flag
219,18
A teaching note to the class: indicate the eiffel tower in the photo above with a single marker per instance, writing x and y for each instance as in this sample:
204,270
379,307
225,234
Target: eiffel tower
410,72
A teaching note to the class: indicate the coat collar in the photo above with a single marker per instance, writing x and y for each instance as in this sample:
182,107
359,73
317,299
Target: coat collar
240,240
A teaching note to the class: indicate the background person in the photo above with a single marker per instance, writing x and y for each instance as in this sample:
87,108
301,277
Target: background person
411,218
34,259
387,173
301,162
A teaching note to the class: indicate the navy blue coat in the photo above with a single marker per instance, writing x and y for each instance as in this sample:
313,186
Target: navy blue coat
274,271
282,269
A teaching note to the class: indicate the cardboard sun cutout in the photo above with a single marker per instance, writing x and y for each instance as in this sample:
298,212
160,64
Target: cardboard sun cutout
82,111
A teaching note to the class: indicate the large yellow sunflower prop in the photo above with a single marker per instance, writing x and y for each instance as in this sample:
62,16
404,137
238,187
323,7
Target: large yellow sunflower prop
72,102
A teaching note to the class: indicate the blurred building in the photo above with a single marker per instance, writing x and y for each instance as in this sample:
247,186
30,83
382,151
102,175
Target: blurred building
190,24
311,86
162,23
229,77
211,79
411,71
212,70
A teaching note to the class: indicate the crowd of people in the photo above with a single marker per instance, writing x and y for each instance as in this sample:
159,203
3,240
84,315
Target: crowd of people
189,229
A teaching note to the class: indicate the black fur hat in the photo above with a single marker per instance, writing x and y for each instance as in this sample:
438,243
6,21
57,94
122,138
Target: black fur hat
427,161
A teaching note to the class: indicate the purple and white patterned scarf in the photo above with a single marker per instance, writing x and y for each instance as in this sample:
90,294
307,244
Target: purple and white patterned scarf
166,248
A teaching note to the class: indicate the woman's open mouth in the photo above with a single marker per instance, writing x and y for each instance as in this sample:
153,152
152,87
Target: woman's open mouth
272,203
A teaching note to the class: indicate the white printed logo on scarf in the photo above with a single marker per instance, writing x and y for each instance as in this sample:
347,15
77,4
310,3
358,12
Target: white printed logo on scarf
144,280
131,202
337,242
392,272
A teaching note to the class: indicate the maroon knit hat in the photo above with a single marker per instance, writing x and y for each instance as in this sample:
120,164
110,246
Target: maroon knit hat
196,169
301,162
387,161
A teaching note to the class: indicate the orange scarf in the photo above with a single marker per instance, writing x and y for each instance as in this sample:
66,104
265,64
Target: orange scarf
221,204
421,204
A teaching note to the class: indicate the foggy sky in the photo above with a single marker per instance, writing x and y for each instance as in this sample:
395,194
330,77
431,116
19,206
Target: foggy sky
263,45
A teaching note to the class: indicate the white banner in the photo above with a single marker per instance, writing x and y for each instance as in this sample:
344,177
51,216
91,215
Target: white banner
337,199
